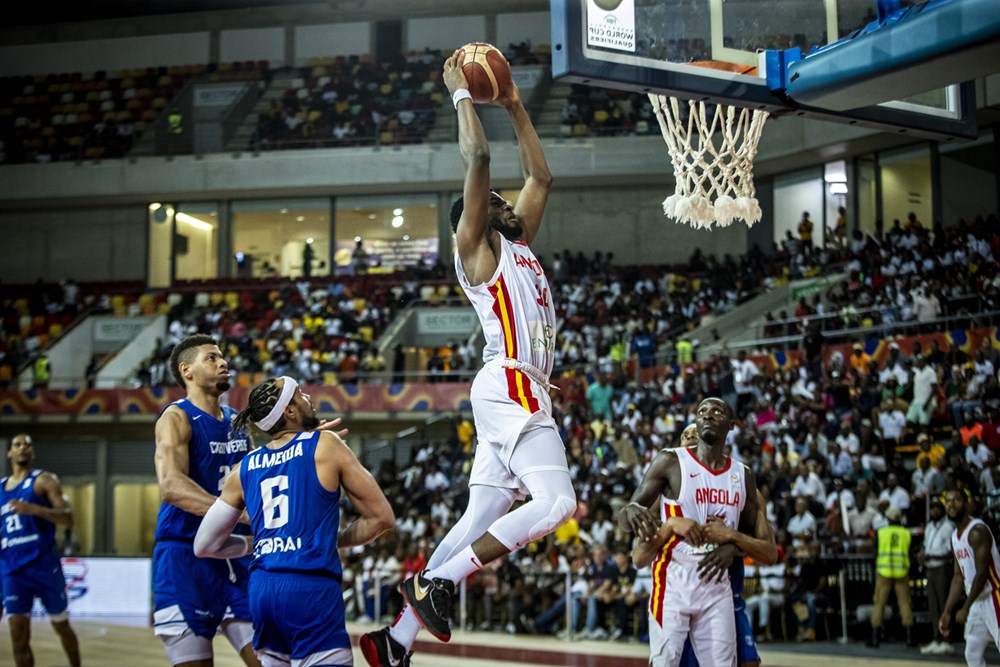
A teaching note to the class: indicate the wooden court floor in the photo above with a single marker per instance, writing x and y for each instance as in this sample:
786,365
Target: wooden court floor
129,643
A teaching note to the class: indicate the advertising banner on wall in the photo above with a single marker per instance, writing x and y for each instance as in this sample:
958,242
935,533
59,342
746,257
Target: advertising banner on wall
106,587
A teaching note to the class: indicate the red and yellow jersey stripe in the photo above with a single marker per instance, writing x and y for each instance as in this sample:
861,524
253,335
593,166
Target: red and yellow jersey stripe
994,582
503,308
519,390
658,595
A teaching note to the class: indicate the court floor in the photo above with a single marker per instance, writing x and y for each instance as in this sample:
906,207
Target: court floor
130,643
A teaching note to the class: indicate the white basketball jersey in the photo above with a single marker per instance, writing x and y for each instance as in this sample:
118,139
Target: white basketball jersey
515,308
967,563
707,493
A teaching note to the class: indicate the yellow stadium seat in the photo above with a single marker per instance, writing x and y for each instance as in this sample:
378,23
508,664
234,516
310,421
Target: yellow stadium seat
329,378
216,298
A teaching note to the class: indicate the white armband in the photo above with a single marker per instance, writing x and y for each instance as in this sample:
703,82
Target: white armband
459,95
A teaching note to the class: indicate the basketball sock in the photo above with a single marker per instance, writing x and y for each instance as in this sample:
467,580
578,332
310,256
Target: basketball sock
455,569
405,628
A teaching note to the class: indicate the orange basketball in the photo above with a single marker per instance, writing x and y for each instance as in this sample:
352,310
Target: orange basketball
486,70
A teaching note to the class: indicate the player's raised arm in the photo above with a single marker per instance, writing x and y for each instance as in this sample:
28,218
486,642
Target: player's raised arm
173,433
537,177
336,461
470,235
214,538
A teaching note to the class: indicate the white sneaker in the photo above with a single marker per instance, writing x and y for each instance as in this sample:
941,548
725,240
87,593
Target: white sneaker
944,648
599,634
929,649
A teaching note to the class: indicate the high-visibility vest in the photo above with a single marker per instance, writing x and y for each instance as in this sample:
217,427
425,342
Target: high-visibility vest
684,355
893,559
41,370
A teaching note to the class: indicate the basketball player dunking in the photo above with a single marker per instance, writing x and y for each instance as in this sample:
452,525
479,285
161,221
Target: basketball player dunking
519,449
691,592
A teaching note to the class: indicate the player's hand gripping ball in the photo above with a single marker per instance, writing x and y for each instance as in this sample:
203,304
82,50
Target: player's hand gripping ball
486,70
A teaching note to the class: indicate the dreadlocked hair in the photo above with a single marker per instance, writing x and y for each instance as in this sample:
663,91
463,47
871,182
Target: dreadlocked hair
262,399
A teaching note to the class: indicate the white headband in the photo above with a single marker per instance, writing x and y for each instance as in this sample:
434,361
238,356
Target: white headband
287,390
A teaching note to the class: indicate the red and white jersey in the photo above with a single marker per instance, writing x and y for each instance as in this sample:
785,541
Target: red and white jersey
515,308
967,563
707,493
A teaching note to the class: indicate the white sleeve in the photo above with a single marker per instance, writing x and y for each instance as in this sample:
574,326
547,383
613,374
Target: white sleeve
215,538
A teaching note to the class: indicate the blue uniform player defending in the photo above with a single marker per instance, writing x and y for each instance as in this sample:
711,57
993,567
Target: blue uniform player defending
292,488
31,504
761,547
195,598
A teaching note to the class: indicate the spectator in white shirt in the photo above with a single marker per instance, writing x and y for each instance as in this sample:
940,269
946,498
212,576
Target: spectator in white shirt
802,526
926,481
891,422
936,557
839,461
808,484
873,459
744,371
977,455
771,593
847,439
895,494
924,391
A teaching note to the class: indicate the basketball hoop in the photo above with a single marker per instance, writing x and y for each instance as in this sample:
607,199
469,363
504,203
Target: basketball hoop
714,182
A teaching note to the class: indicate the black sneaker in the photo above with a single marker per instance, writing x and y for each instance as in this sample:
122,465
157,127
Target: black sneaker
431,602
381,650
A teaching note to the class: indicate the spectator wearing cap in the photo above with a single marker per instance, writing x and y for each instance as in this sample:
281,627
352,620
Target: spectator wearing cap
936,558
894,366
930,450
859,359
892,574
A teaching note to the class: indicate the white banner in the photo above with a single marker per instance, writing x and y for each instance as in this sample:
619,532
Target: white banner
611,24
219,95
119,329
106,587
447,321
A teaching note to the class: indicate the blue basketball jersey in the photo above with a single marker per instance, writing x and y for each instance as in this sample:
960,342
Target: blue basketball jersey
294,519
23,537
211,455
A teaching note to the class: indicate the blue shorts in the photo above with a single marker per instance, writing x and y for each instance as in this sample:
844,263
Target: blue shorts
42,579
297,614
192,592
746,646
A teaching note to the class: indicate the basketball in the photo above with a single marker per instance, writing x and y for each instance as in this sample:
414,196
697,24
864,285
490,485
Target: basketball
486,70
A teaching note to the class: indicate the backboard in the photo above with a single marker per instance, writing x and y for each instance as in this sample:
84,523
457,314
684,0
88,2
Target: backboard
713,50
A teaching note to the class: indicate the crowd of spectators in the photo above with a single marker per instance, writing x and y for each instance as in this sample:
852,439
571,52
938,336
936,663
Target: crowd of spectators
353,101
898,282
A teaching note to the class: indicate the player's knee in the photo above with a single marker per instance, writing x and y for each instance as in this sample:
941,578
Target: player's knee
560,510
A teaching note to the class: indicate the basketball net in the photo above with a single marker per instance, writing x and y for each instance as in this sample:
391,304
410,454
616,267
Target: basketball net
714,182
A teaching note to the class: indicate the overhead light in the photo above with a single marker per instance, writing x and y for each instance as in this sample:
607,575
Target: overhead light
154,206
357,238
300,218
397,211
397,221
309,240
194,222
838,188
371,216
406,237
284,210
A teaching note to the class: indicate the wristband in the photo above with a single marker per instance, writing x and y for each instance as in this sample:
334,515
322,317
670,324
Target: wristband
459,95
